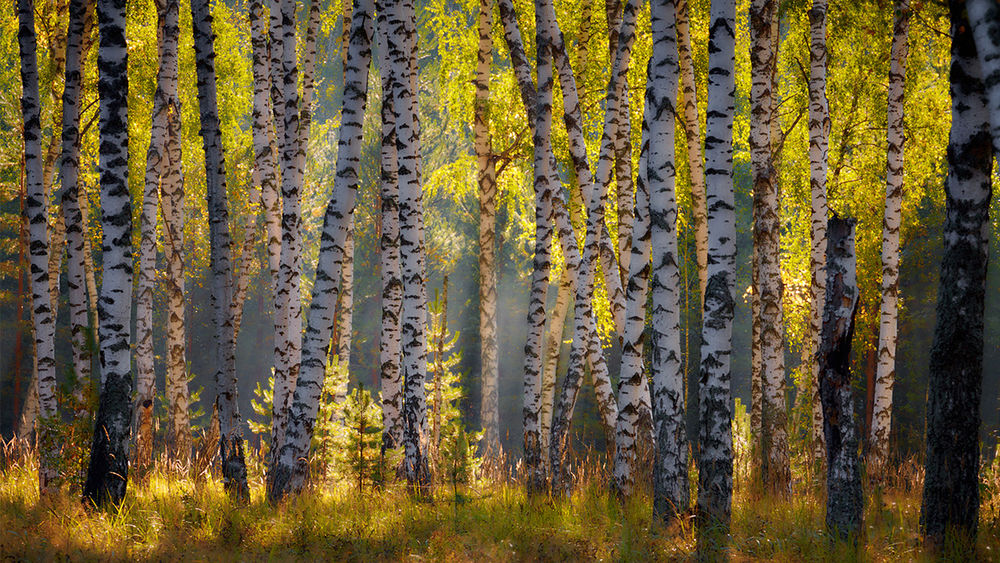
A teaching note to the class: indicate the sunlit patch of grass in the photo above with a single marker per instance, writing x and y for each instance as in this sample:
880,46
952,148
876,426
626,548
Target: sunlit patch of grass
173,516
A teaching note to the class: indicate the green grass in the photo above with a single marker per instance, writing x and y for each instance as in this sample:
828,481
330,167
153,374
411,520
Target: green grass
171,518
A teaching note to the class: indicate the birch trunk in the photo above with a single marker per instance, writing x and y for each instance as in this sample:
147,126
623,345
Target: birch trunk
107,473
819,131
390,344
767,242
487,180
670,484
951,487
402,22
36,212
76,229
234,472
878,440
632,377
146,276
550,363
692,132
289,471
541,263
715,464
844,504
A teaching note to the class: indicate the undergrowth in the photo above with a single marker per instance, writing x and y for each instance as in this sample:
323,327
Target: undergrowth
171,516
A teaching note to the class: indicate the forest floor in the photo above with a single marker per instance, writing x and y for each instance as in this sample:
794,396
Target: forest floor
177,518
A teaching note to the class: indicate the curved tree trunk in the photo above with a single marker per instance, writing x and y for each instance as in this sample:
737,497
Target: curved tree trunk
107,473
234,473
36,211
951,486
289,471
819,131
715,464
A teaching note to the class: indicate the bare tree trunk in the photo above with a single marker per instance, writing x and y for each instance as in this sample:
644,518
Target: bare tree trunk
844,504
487,181
951,486
291,454
878,444
107,474
234,473
767,242
715,464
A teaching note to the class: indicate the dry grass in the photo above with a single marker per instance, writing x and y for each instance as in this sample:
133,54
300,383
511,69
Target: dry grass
173,517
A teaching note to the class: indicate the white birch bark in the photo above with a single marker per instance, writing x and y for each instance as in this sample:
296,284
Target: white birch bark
670,486
107,473
692,132
885,375
390,343
767,231
715,465
487,181
76,228
36,211
230,425
145,375
819,131
632,378
289,471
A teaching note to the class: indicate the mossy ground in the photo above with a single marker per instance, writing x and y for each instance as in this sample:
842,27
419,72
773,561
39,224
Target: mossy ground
171,517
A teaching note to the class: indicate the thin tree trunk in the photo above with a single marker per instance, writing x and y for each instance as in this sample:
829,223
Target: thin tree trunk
402,23
844,504
632,377
289,471
951,486
878,441
819,131
76,229
541,264
715,464
550,363
487,181
692,132
670,483
390,344
767,242
234,473
107,474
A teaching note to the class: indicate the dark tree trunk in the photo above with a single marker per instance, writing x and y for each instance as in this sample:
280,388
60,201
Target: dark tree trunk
844,504
951,485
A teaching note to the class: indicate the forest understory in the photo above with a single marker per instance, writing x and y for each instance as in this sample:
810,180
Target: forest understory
175,515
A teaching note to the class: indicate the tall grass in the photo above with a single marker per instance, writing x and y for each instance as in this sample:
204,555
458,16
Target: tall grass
173,515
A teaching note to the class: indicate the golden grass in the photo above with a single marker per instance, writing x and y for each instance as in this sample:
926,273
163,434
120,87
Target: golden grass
177,518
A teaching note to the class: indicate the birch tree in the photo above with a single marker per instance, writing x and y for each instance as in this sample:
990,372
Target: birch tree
390,343
36,212
819,131
767,243
487,181
107,472
670,485
715,452
844,504
289,471
234,473
878,440
951,486
172,209
76,229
